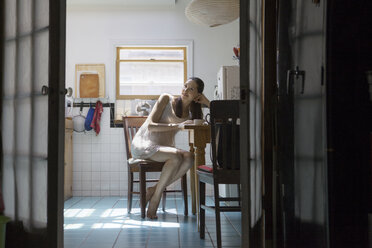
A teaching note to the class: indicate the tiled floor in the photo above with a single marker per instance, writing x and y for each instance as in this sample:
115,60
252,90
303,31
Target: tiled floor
102,222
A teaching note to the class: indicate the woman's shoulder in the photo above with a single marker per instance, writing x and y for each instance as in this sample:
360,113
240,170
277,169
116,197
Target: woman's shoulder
165,97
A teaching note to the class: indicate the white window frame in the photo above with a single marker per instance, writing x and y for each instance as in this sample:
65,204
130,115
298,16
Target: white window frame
188,44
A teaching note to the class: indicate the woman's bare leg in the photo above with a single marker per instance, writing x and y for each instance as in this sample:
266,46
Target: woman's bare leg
173,159
177,163
149,192
187,163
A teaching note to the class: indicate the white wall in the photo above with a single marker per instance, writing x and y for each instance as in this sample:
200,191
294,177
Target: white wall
91,33
90,37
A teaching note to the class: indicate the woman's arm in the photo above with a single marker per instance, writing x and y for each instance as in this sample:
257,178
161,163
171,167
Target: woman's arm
155,115
202,99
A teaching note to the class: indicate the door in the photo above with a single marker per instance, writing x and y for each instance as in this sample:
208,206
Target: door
251,66
301,120
32,120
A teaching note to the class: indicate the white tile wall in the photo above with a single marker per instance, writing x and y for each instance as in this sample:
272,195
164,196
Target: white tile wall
99,161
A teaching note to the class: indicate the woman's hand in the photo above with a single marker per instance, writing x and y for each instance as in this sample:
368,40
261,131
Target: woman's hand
202,99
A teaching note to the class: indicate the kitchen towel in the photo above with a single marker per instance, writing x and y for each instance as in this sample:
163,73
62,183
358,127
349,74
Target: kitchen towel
89,119
97,117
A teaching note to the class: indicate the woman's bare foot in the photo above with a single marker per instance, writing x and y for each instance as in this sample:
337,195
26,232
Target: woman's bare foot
152,217
149,192
152,209
151,212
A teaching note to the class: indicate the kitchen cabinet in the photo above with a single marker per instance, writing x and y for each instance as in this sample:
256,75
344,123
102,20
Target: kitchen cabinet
68,158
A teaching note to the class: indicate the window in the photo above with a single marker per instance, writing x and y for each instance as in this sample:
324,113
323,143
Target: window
147,72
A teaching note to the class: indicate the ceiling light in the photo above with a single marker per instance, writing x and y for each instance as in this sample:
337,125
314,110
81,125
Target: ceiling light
212,13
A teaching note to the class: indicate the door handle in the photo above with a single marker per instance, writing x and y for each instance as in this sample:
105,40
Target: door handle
68,92
44,90
297,73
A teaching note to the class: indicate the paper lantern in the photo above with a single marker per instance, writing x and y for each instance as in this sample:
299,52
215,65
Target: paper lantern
212,13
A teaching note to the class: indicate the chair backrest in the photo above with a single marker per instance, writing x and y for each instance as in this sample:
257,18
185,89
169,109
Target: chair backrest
225,134
131,125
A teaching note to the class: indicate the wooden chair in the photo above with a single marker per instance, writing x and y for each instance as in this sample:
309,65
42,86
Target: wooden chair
224,120
131,125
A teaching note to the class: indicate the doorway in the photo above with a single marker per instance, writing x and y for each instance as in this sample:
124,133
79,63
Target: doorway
91,38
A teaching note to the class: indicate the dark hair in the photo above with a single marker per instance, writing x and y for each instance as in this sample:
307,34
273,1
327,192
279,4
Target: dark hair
195,108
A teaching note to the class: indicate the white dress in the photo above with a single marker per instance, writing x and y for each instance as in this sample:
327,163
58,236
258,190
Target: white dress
146,143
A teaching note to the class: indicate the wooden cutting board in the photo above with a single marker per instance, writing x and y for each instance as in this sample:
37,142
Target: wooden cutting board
89,86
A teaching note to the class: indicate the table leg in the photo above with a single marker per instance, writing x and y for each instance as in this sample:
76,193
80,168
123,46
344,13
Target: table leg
199,136
192,184
199,160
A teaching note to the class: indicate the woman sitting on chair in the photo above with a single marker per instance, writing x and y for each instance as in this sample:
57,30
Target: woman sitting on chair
155,139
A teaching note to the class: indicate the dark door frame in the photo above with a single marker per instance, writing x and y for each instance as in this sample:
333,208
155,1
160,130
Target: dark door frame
56,125
269,103
265,229
244,116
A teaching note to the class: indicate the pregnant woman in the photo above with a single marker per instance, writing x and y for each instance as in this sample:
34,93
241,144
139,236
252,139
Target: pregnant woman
155,139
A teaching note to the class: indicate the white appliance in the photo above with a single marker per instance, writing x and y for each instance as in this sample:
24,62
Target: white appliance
228,82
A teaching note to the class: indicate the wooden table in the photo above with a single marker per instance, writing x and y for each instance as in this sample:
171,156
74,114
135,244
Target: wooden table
199,136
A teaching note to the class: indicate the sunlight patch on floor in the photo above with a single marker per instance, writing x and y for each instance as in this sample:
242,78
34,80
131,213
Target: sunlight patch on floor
106,225
114,212
72,226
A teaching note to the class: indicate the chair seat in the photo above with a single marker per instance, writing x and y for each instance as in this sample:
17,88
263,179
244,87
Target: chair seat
136,161
133,161
219,176
148,165
205,168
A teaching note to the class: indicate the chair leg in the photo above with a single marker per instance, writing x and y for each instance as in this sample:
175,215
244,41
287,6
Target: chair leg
130,190
184,194
164,200
202,210
218,216
142,179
